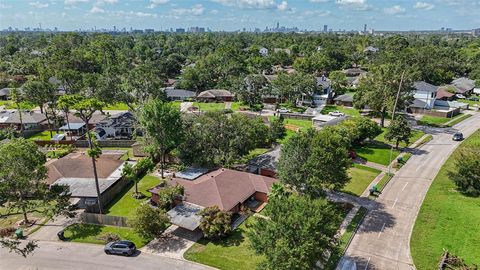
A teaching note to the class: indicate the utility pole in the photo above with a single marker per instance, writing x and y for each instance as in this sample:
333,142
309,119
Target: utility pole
393,117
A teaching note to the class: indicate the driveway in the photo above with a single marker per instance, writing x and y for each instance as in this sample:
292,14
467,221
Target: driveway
49,230
60,255
174,243
383,239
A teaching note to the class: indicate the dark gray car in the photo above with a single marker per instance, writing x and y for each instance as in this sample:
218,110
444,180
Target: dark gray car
457,136
126,248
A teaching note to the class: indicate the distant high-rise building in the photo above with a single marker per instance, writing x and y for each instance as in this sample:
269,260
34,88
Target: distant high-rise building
325,28
365,28
114,28
278,25
180,30
476,32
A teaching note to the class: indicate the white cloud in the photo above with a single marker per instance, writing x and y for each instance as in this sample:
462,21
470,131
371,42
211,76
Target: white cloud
96,9
109,1
4,6
195,10
283,6
155,3
319,1
353,4
73,2
253,4
423,5
394,10
37,4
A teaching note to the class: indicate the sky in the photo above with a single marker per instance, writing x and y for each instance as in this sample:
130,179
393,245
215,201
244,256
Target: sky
233,15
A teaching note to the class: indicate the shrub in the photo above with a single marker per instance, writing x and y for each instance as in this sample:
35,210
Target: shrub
466,172
108,237
7,232
167,195
149,222
215,223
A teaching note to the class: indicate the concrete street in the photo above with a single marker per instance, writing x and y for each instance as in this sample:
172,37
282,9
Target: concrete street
59,255
383,239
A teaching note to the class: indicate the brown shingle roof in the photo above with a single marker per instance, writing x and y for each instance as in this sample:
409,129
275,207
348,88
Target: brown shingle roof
215,93
443,92
79,165
224,188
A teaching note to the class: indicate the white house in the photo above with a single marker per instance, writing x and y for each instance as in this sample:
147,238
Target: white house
263,51
425,95
118,126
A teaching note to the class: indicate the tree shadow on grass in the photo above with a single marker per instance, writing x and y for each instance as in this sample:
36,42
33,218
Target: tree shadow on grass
234,239
82,231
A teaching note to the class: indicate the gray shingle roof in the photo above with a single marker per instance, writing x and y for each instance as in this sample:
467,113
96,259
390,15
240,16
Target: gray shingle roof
13,117
463,84
179,93
422,86
215,93
344,98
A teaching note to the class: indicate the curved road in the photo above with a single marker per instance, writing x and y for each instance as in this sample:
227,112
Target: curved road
383,239
59,255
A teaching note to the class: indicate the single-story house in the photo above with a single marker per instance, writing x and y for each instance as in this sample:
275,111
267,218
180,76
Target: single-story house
118,126
463,86
5,93
322,120
31,121
446,92
215,95
344,100
265,164
170,82
75,170
227,189
354,72
179,94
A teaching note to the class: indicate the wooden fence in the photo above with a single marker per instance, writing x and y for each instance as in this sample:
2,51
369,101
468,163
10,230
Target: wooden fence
91,218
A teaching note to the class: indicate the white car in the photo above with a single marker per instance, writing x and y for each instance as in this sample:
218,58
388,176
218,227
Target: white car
460,96
336,113
283,110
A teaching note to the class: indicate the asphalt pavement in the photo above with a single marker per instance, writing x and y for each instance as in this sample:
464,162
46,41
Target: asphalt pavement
59,255
383,239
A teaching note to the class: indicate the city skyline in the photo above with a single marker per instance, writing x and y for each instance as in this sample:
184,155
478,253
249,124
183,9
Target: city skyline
232,15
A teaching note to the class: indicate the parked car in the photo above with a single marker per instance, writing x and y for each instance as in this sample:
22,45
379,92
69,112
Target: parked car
457,136
283,110
336,113
460,96
473,98
123,247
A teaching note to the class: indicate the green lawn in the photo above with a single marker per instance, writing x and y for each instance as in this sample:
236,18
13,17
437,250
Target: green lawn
42,136
434,121
458,120
361,177
447,220
384,181
376,152
89,233
416,134
209,106
345,110
116,107
10,217
124,204
237,106
232,252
